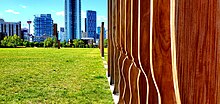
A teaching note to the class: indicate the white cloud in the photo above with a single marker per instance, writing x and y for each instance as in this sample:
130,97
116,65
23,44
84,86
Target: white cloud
12,11
101,18
23,6
61,13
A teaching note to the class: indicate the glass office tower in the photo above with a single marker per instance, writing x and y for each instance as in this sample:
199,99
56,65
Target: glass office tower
91,24
43,27
73,19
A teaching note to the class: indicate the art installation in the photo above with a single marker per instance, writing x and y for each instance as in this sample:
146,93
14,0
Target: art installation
164,51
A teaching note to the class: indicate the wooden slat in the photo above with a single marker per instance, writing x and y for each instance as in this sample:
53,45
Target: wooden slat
127,60
111,45
102,40
135,67
148,91
122,52
161,51
197,50
109,39
117,46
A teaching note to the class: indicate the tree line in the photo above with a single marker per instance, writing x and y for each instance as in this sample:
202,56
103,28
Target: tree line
15,42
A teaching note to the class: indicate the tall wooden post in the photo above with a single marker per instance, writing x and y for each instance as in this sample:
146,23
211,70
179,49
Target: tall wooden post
109,39
102,40
111,48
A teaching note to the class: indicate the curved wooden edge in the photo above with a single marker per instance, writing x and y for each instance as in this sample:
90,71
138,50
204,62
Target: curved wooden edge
151,51
139,57
173,50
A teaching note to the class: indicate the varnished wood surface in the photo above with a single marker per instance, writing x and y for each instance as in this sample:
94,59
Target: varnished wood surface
144,52
135,67
168,51
161,51
122,52
109,40
197,50
111,44
117,46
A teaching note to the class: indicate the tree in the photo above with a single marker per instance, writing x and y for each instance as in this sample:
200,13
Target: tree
36,44
11,41
81,43
50,42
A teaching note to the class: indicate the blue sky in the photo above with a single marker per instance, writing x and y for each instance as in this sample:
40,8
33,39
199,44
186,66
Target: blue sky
23,10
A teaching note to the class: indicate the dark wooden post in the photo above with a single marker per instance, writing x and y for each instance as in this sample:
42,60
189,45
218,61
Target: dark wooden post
109,38
101,42
117,46
58,41
112,78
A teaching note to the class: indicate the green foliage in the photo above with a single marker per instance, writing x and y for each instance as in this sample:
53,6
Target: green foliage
36,44
41,44
78,43
26,43
50,42
11,41
67,76
106,43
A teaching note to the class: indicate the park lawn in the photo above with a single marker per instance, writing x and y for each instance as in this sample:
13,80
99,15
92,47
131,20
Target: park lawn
38,75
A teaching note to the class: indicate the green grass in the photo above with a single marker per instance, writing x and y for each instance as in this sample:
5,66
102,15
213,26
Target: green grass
106,54
53,76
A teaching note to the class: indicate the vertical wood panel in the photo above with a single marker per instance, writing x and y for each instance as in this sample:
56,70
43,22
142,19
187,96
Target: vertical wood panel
161,51
197,51
109,40
117,47
127,60
111,43
122,52
135,67
151,96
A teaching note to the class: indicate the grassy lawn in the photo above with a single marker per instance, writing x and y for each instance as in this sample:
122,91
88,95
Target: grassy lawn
53,76
106,54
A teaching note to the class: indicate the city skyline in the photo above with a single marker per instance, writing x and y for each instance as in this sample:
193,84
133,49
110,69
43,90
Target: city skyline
24,10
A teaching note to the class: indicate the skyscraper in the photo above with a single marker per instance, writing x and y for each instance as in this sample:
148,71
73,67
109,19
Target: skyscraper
43,27
73,19
10,28
91,24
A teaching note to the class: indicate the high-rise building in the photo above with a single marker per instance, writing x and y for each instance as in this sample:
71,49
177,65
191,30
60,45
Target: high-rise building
10,28
98,32
91,24
62,35
25,34
43,27
73,19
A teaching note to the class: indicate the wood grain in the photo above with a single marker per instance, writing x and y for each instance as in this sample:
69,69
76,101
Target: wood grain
111,44
135,67
161,51
197,50
122,52
144,54
109,40
117,47
127,60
